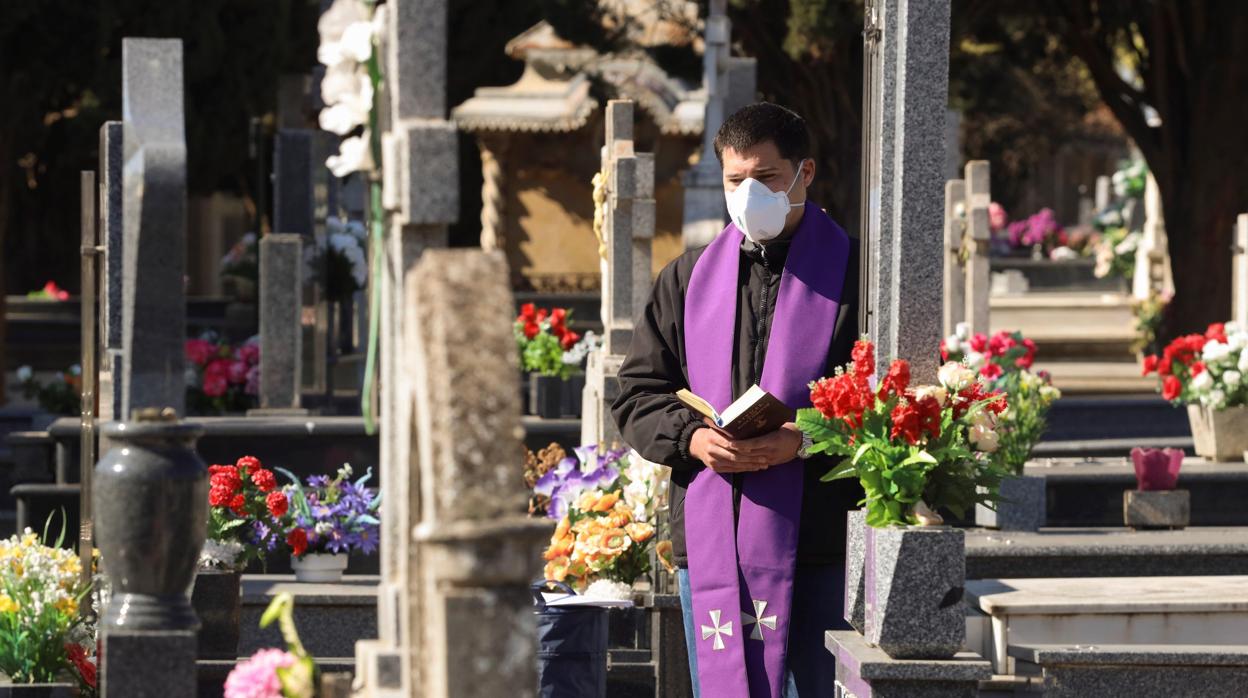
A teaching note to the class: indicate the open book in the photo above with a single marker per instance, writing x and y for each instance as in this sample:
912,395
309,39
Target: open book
755,413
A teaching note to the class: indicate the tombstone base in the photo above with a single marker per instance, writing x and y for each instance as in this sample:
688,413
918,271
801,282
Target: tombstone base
863,671
1144,509
148,663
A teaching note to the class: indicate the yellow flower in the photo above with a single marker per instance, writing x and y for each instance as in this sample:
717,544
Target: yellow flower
67,605
8,605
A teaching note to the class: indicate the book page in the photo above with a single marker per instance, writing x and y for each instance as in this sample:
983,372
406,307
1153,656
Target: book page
743,403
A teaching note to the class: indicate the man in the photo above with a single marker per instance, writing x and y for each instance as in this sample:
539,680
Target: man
772,300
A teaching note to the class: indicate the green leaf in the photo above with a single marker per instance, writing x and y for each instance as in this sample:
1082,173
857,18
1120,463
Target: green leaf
921,456
843,470
862,451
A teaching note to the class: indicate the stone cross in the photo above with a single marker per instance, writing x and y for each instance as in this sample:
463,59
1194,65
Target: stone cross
1239,272
154,219
112,159
704,187
281,291
475,548
955,268
420,192
905,95
977,241
1152,257
628,228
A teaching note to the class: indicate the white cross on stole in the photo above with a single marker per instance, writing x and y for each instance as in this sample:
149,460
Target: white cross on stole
758,620
717,630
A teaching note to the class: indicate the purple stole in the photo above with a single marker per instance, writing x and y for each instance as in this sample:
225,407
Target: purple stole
743,585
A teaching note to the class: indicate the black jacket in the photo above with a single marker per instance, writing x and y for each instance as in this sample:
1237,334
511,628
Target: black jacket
659,427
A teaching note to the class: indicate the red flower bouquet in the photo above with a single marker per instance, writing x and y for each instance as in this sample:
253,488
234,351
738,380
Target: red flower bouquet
246,508
547,345
915,449
221,378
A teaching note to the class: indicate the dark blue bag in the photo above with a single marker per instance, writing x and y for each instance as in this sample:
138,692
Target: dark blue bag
571,647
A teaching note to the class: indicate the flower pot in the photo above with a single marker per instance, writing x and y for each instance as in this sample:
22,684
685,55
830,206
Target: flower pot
319,567
1156,509
573,388
855,554
1219,435
218,601
1156,469
151,515
914,581
545,396
571,649
1021,508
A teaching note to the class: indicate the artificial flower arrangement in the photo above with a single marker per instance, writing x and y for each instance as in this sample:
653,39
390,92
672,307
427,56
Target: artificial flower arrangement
1040,229
341,260
1149,314
244,516
1205,369
1004,362
606,502
330,516
275,673
43,636
547,345
62,395
221,377
49,292
915,449
1116,250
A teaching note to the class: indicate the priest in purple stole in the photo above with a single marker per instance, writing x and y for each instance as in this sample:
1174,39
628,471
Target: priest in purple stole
772,300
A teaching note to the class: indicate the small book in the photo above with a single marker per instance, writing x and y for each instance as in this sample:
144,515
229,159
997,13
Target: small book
755,413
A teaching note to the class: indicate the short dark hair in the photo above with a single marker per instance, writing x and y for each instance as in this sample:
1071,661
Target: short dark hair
761,122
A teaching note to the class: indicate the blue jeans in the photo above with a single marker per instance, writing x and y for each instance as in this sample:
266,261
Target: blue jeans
818,606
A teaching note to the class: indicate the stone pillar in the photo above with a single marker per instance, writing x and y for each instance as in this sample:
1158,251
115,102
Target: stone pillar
420,169
953,142
1086,206
281,311
628,228
112,159
1152,257
1239,273
977,241
154,218
955,268
903,156
476,550
705,209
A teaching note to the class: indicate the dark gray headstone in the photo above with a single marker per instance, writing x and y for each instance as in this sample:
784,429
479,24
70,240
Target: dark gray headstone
419,50
112,160
281,293
154,219
293,200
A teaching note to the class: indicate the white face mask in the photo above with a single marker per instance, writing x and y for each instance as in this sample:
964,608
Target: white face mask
758,211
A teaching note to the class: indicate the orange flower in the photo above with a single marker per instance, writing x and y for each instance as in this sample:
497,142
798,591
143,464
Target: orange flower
557,569
588,500
619,516
614,541
560,548
565,525
606,502
590,527
640,532
578,569
663,549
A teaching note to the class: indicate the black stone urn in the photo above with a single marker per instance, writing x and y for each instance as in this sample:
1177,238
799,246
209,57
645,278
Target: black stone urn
150,498
218,602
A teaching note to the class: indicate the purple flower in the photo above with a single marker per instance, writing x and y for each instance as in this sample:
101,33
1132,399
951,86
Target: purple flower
366,539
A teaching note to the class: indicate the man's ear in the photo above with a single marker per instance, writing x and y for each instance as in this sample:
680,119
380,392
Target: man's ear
808,172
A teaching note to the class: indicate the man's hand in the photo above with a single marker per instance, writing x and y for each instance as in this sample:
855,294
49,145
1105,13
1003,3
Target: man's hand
780,446
722,454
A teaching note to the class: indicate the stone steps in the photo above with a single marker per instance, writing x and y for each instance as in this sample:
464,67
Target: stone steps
1099,377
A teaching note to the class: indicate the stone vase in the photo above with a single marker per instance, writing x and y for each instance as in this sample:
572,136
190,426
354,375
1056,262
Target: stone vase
1219,435
855,555
572,390
150,498
545,396
218,601
914,582
1022,506
319,567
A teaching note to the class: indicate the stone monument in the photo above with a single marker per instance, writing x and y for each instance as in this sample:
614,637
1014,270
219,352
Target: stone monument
905,93
111,232
1152,257
281,291
1239,272
628,228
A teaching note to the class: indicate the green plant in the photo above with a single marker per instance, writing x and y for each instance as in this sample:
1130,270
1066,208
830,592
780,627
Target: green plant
61,396
1025,420
1149,314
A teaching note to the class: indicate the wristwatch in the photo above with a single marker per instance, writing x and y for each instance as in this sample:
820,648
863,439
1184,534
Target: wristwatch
807,444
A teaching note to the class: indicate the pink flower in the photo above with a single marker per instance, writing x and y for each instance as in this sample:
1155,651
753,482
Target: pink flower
236,372
249,353
199,351
215,385
253,381
996,216
257,677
